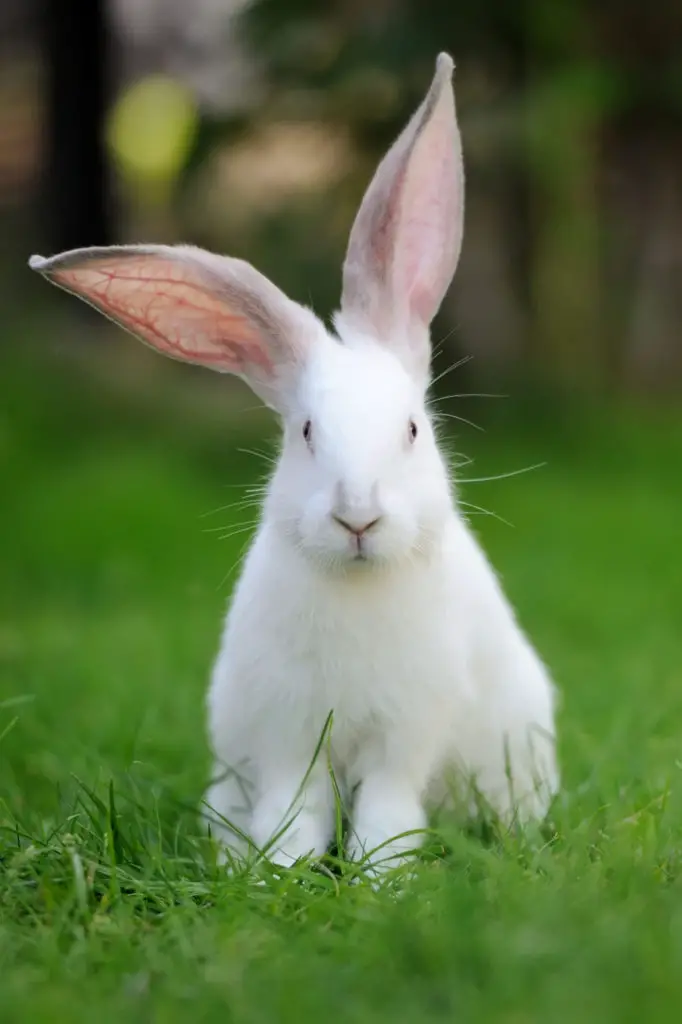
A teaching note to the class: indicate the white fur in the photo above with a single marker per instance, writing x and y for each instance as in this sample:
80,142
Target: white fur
416,651
403,635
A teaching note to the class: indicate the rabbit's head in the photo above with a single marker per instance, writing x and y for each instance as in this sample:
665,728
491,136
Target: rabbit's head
360,477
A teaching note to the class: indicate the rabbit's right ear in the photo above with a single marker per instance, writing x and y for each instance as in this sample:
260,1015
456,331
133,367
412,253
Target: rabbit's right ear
406,239
197,307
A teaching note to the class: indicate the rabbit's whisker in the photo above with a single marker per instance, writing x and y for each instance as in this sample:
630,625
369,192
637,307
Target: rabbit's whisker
242,528
243,503
461,419
480,511
466,394
236,566
450,369
502,476
265,456
438,346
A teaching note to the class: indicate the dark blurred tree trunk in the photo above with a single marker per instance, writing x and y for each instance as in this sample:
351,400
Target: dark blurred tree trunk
565,109
75,39
643,193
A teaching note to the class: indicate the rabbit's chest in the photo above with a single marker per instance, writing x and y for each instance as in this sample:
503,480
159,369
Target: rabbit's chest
387,657
380,670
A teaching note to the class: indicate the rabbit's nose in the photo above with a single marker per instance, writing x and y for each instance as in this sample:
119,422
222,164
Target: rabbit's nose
356,527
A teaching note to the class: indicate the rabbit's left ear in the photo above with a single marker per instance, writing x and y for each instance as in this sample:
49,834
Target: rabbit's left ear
406,239
192,305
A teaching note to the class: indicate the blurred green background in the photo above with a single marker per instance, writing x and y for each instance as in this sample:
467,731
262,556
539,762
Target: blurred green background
253,128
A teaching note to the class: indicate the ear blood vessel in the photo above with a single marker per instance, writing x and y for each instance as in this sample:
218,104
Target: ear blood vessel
436,692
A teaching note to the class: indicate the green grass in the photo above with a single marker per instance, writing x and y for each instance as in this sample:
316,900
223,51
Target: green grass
111,597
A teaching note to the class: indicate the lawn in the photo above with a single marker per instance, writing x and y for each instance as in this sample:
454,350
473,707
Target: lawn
113,582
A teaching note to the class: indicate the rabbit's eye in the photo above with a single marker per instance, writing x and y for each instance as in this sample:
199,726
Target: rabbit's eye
307,431
413,431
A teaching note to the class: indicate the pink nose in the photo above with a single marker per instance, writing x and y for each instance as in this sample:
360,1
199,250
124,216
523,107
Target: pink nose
357,529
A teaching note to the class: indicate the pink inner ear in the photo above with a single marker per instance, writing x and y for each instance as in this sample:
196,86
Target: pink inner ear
432,210
168,304
382,236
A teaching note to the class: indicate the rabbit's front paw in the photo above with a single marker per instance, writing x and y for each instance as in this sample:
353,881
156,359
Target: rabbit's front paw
289,824
388,823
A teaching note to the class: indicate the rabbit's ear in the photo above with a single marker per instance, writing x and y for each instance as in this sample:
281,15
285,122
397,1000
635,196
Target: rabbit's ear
406,239
194,306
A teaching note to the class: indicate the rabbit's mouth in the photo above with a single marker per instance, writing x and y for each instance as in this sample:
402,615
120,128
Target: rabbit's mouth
361,546
363,549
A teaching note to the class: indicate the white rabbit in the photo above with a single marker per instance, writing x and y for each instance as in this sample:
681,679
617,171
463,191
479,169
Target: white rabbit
364,592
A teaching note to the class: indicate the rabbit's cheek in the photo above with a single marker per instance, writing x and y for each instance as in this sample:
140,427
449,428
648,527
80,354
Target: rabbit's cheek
318,537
